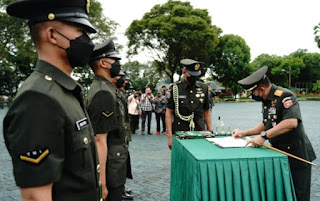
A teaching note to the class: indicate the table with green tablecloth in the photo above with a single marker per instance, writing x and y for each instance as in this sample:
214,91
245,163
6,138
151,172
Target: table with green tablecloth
202,171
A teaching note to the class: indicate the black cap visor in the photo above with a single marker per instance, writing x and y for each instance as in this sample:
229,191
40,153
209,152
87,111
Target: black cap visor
194,73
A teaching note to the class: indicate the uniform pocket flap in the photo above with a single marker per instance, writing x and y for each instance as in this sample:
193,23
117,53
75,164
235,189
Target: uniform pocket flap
117,152
80,140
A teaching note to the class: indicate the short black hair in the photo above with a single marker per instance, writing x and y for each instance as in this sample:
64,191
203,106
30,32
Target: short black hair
265,81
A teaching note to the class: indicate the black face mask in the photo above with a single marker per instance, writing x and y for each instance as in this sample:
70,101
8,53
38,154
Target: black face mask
120,83
192,80
257,98
115,69
127,86
79,51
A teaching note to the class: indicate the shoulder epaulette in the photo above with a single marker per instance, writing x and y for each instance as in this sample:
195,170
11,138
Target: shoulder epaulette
278,92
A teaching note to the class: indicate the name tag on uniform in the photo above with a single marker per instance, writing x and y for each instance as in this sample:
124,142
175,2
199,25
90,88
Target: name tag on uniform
182,96
82,123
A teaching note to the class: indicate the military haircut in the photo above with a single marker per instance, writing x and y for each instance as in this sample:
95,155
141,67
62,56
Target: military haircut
36,29
94,64
265,81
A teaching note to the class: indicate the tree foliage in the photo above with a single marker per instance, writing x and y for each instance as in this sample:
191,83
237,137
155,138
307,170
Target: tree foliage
171,32
17,52
230,61
141,75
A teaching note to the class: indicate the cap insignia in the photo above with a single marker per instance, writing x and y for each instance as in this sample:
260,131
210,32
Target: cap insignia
103,55
196,67
278,93
51,16
88,6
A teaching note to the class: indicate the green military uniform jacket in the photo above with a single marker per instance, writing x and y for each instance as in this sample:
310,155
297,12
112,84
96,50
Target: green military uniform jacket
127,119
127,130
50,138
282,104
107,114
190,99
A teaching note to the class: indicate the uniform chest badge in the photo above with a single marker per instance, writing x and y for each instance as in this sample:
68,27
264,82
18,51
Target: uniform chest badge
272,110
35,156
287,104
197,95
107,114
182,96
201,100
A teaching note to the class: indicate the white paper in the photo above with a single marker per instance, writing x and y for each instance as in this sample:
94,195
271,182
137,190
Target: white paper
228,142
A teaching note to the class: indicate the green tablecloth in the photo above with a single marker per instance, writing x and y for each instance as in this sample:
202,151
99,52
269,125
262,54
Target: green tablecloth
202,171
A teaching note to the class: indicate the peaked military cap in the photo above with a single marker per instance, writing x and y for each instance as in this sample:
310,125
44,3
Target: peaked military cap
105,50
252,81
192,66
36,11
121,73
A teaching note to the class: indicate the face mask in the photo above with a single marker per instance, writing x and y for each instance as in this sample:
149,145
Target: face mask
120,83
79,51
192,80
115,69
127,86
257,98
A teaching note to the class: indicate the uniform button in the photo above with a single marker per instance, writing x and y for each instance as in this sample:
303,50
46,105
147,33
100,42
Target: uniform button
85,140
179,123
118,154
98,168
181,101
48,77
191,102
265,120
265,107
288,147
191,91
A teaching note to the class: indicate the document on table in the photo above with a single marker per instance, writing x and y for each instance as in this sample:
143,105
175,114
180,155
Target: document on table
228,142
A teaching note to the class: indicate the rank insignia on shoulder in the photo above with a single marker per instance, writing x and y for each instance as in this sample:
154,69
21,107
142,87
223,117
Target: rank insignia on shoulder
287,104
107,114
35,156
278,92
82,123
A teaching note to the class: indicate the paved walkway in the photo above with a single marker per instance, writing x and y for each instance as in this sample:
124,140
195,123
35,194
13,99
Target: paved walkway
151,157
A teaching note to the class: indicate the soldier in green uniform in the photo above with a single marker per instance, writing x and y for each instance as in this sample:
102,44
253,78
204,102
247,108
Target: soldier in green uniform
107,113
122,85
282,125
46,130
189,102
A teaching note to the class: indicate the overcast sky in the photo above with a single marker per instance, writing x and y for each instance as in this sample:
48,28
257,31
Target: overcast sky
277,27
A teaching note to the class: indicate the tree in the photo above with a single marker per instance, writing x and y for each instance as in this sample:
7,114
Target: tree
317,34
230,61
141,75
171,32
17,53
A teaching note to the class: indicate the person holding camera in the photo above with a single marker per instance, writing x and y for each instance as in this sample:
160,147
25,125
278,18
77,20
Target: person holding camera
146,105
134,110
160,110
